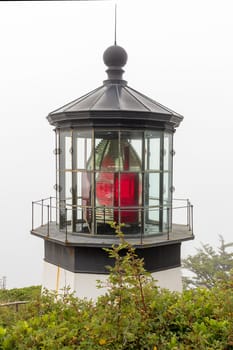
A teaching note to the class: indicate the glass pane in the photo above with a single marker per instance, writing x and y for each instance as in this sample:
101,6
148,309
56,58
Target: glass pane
166,188
82,149
83,221
65,145
82,202
84,187
131,151
106,151
65,198
154,185
152,203
57,155
68,199
137,146
68,185
153,211
165,216
62,187
167,160
68,152
104,199
151,218
84,196
152,150
127,195
104,189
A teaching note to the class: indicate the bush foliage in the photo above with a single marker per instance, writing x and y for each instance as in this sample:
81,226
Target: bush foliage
133,314
26,293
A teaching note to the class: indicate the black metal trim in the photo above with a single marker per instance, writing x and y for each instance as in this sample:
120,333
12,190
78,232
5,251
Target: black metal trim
95,259
142,120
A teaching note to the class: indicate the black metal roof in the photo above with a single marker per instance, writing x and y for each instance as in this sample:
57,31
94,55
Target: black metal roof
115,103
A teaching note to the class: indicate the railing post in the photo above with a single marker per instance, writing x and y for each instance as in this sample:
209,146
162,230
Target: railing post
48,210
32,216
42,212
50,204
192,217
104,214
168,224
188,214
57,211
66,223
142,213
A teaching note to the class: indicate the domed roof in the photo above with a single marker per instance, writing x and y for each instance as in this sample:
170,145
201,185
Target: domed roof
115,103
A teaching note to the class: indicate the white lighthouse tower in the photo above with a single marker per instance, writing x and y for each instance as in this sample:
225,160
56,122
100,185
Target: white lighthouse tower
114,162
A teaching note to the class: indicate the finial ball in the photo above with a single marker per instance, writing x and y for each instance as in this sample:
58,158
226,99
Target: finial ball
115,56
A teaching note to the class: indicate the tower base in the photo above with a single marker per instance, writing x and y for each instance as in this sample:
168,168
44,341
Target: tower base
83,285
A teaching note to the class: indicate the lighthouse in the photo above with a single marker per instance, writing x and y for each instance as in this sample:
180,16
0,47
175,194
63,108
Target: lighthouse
114,163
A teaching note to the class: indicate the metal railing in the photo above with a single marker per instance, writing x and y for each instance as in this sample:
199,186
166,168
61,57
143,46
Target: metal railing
14,303
48,211
188,207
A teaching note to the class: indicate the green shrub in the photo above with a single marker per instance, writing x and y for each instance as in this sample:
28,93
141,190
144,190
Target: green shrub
26,293
133,314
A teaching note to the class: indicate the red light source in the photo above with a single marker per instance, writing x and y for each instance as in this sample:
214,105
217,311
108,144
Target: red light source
129,197
116,185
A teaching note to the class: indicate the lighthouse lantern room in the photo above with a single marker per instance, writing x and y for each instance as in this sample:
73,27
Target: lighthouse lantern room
114,163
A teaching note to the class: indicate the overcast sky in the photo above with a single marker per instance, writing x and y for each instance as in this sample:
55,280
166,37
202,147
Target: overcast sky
180,53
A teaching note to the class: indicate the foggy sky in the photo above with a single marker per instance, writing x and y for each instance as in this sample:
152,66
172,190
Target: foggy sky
180,53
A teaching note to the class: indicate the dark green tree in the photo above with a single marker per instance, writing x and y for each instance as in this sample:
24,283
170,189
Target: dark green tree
208,265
